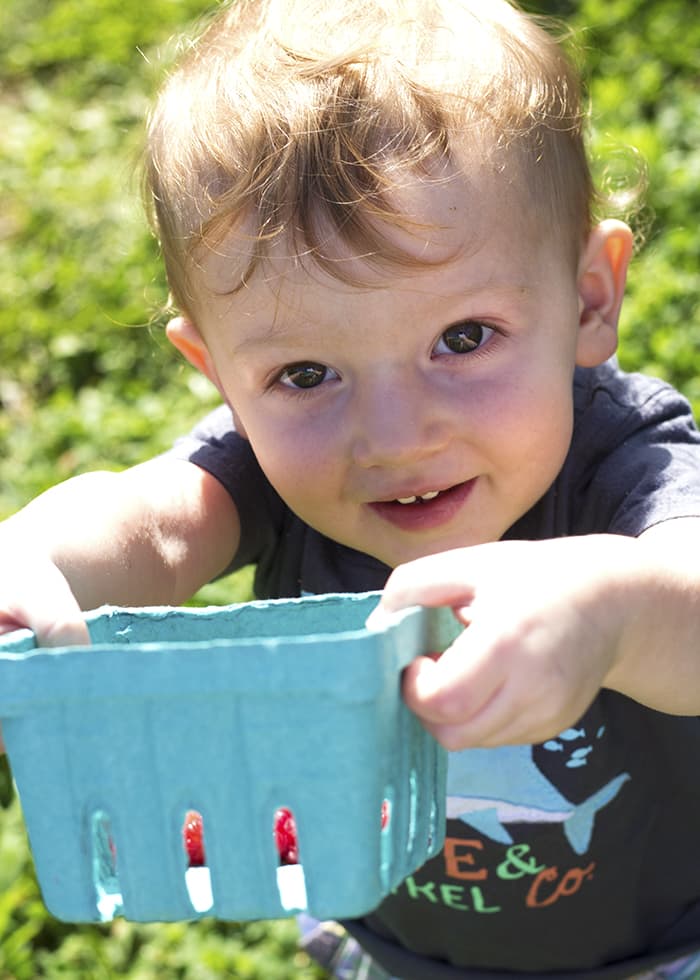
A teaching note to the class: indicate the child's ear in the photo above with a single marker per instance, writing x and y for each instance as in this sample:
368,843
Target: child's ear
601,287
183,334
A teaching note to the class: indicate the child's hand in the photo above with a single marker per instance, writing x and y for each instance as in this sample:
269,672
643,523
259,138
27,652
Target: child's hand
34,594
544,621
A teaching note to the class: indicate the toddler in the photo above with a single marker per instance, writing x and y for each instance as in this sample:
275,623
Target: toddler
378,223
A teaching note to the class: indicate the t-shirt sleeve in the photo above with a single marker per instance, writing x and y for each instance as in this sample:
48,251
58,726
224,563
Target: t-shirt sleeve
215,446
640,452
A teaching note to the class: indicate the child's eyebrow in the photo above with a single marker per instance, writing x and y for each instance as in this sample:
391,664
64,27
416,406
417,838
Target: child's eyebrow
279,330
275,331
264,337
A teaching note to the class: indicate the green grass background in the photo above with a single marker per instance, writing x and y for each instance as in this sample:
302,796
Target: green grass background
87,380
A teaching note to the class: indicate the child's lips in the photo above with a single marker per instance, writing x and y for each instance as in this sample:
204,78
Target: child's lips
416,512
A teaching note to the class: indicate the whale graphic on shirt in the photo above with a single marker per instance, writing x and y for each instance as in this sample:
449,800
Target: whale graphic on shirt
488,788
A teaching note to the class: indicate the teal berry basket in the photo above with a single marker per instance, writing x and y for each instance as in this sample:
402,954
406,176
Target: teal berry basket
233,712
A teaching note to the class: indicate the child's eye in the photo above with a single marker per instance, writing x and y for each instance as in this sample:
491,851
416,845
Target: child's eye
306,375
463,338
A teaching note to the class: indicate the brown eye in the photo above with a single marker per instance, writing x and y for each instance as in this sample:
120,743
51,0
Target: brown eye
463,338
306,375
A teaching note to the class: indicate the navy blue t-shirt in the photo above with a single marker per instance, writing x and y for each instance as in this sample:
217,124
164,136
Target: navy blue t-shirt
579,857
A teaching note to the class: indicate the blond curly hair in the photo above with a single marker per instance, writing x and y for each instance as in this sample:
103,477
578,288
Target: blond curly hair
290,117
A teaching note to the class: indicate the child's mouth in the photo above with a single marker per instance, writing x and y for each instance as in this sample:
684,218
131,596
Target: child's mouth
425,510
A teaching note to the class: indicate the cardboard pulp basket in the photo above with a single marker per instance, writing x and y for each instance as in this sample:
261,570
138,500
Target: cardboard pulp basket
231,711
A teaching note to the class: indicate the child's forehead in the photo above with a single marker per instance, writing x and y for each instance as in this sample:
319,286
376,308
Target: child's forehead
476,261
439,218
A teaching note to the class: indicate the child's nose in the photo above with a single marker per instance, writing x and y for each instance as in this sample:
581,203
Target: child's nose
398,425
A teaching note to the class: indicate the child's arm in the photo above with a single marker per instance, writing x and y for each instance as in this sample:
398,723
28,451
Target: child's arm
551,622
150,535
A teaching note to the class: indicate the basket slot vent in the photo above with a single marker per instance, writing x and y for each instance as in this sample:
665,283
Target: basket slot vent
105,874
291,882
197,875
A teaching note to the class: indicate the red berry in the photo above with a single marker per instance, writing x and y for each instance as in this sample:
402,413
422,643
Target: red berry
386,813
286,836
192,836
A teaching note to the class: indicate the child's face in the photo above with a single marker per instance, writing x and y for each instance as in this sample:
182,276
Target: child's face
453,383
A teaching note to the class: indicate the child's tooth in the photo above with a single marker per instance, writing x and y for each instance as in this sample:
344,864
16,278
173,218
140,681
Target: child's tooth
430,495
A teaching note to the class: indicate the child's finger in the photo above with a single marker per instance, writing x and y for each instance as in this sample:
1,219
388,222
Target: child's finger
453,690
436,580
496,719
39,598
456,726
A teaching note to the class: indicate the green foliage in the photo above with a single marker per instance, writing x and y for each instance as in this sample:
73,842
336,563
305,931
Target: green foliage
642,79
82,287
87,380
